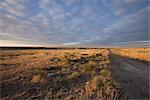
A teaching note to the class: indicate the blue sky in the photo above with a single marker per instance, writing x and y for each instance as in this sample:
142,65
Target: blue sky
69,22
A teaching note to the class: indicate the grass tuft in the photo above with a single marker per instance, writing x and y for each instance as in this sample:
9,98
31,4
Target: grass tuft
74,75
89,68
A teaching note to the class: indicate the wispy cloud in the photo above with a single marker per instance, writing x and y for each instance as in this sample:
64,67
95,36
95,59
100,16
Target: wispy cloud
73,21
131,27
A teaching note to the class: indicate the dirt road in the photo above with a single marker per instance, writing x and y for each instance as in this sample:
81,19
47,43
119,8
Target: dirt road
133,76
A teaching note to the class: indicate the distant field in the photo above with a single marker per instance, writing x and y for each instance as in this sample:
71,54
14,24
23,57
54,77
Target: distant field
135,53
62,74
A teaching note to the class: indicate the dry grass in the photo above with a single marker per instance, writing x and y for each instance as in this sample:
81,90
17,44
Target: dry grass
74,75
56,74
37,78
89,68
101,87
136,53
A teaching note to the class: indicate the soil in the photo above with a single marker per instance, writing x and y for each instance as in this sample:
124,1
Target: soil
132,75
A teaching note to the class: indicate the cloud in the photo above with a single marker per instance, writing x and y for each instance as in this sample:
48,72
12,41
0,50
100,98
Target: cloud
69,2
71,43
16,43
13,7
131,1
130,27
53,9
73,21
120,12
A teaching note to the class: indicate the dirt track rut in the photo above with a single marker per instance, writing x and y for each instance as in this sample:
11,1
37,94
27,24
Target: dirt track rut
133,76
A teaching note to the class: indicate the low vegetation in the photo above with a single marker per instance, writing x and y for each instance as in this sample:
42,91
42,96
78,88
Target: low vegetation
56,74
135,53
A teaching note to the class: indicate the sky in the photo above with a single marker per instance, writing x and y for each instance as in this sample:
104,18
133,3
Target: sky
73,22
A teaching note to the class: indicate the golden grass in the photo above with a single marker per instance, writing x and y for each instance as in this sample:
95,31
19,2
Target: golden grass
101,87
136,53
37,78
66,74
74,75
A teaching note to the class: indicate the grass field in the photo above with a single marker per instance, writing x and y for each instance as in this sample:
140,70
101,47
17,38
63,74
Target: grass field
62,74
135,53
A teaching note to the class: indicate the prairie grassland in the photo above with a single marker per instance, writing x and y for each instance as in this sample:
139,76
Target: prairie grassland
135,53
56,74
